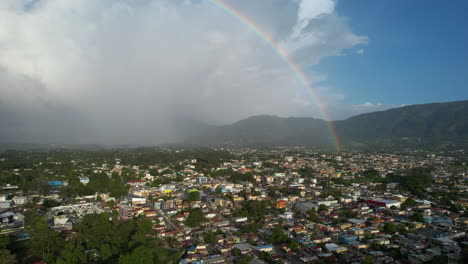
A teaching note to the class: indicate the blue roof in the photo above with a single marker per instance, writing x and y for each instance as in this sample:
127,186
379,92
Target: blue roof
265,246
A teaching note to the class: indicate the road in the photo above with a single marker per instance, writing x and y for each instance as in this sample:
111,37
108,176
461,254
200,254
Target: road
167,221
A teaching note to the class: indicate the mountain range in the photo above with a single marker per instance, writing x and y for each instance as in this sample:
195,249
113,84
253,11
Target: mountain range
413,125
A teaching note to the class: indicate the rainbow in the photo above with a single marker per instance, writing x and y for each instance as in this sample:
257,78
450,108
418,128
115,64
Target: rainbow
286,58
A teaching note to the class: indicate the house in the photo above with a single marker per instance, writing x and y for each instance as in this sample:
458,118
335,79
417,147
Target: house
344,226
138,200
281,204
241,219
149,177
356,231
84,180
150,213
19,200
170,211
345,239
265,248
60,220
202,180
55,183
210,215
137,183
180,217
358,245
346,199
244,248
306,205
287,215
383,203
215,259
10,187
372,230
327,202
419,258
5,204
127,213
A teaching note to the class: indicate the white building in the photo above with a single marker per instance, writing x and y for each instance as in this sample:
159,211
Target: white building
19,200
84,180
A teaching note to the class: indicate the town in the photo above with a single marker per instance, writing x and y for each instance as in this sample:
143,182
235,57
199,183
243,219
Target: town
278,205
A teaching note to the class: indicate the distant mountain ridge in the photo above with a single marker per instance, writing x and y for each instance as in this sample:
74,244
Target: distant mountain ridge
435,122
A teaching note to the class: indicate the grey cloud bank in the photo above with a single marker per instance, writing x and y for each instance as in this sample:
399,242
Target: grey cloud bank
129,72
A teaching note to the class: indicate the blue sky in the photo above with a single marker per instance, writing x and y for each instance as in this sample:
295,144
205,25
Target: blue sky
417,52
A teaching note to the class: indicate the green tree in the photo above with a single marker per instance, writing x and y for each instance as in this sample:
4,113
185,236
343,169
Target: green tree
372,173
465,254
255,209
195,218
244,259
251,228
44,240
209,237
366,237
369,260
322,207
278,236
236,252
193,196
237,177
402,229
96,229
163,256
4,241
418,217
140,255
6,257
293,245
72,254
265,256
143,229
106,252
409,202
389,228
439,260
111,203
313,216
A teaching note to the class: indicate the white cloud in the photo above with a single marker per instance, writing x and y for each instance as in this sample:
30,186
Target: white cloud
319,32
128,69
360,51
369,104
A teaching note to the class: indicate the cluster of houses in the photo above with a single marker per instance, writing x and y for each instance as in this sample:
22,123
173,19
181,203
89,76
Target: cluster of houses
323,218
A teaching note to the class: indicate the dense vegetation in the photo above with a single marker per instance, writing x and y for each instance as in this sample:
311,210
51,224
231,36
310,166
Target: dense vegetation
255,209
100,238
415,180
195,217
31,170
